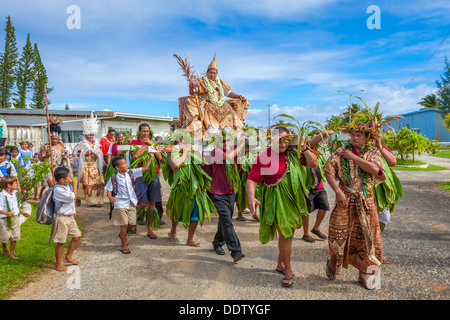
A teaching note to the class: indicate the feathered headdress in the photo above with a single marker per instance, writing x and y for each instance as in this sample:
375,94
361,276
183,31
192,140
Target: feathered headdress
91,125
370,121
55,126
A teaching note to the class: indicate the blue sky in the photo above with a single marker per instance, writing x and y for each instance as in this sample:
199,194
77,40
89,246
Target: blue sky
293,55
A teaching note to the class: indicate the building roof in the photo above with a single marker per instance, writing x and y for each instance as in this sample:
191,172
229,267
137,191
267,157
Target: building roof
83,114
420,111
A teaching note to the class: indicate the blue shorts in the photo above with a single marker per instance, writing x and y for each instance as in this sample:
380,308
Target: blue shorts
195,215
148,192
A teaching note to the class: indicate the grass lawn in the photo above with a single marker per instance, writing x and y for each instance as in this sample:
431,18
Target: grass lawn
442,153
429,168
445,186
35,256
409,162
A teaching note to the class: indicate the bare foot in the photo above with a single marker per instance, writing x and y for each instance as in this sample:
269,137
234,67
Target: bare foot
193,243
13,256
60,268
5,251
70,260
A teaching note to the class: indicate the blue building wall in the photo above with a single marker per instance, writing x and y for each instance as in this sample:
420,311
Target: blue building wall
427,121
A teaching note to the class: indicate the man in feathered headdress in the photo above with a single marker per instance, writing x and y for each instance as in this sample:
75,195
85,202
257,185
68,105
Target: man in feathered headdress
206,106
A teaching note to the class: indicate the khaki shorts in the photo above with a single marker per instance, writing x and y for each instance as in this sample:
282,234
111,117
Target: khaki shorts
125,216
65,227
7,235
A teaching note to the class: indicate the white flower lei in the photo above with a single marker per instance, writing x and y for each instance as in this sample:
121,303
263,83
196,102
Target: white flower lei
211,95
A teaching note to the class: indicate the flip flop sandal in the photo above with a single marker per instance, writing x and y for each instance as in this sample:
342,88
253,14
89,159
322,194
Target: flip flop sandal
125,251
288,284
280,271
330,274
173,238
241,219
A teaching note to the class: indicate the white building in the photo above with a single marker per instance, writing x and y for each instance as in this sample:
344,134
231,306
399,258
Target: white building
31,124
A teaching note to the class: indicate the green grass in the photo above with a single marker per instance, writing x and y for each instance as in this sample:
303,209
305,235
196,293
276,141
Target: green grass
445,186
408,162
442,153
429,168
35,256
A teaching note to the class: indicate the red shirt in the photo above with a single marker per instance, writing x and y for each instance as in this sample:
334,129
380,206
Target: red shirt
219,182
263,169
104,145
140,143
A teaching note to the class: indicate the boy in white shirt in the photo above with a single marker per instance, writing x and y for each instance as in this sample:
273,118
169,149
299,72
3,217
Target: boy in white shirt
65,224
9,214
122,194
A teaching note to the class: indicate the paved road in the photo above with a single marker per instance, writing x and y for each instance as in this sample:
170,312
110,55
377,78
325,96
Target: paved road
417,240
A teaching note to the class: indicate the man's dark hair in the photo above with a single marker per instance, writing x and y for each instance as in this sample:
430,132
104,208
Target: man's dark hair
143,125
61,173
115,161
281,129
3,152
111,130
118,133
14,149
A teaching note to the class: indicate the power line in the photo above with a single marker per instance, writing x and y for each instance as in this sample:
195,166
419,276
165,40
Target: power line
422,69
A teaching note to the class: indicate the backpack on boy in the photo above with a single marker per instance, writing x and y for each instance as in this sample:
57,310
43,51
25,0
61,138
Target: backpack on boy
114,191
46,210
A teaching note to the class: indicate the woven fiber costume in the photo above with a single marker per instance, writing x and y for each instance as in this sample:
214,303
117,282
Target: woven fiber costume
206,106
90,159
354,231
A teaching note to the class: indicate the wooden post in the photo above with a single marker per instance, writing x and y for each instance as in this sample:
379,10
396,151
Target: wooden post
49,137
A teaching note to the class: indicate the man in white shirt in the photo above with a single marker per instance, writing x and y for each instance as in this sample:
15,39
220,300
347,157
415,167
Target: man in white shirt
121,193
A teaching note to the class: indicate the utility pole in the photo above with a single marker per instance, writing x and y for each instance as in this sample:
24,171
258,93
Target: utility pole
269,114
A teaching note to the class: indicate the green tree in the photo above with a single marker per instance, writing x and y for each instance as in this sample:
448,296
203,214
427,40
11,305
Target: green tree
444,89
431,101
40,82
408,142
67,106
25,74
447,121
8,63
335,123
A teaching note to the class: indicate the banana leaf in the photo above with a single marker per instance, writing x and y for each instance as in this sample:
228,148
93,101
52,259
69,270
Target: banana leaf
283,204
189,186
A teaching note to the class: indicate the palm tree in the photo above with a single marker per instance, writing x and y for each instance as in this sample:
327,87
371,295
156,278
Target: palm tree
431,101
335,123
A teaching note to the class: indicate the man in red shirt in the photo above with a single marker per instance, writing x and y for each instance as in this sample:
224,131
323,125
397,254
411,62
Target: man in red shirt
104,145
223,196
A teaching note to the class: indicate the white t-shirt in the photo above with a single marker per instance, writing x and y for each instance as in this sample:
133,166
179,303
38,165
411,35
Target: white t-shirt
12,200
64,200
125,190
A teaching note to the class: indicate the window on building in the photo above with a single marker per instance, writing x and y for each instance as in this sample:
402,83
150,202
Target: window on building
72,136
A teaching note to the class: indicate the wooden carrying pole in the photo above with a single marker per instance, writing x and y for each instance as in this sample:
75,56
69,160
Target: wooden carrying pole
49,136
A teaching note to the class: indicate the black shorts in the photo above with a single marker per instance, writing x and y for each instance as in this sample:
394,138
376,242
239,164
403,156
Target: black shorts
318,199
